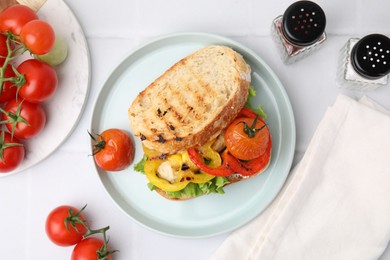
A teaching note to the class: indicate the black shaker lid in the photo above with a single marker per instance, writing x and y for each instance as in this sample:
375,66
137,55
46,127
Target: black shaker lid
370,56
303,23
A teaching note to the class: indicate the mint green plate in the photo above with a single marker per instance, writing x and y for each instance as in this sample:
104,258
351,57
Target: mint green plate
207,215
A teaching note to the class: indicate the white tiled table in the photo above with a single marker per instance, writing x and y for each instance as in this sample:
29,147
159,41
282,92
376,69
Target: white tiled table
113,29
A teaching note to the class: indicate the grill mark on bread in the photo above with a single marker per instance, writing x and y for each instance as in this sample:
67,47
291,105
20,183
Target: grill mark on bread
182,109
192,101
203,90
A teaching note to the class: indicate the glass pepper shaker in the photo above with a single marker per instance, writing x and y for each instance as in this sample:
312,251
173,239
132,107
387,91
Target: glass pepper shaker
364,63
299,31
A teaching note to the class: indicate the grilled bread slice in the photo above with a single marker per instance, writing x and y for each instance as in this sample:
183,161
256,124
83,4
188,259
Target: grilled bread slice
192,102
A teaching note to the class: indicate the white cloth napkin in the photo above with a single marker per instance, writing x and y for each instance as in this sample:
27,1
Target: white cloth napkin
336,202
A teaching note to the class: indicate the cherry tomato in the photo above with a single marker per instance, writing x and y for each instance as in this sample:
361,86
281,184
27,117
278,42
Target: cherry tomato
15,17
56,229
89,248
41,81
38,36
113,150
23,119
11,152
8,90
247,138
3,47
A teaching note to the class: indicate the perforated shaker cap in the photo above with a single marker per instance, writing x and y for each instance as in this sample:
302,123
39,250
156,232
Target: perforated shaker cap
370,56
303,23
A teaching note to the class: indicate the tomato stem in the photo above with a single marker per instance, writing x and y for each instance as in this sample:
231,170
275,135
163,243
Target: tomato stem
96,231
99,143
73,219
12,54
14,118
251,131
4,146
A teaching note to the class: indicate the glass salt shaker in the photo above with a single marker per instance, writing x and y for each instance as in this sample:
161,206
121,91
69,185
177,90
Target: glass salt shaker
364,63
299,31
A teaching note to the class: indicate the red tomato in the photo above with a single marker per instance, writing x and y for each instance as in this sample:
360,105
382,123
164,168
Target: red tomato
38,36
41,81
89,248
11,152
247,139
248,168
15,17
23,119
3,47
56,229
113,150
8,90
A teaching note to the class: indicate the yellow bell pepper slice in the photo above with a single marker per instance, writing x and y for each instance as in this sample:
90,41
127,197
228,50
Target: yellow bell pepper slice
151,167
176,161
188,175
187,161
213,157
184,175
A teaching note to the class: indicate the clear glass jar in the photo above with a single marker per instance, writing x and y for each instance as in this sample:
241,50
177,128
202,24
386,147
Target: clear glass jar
364,63
299,31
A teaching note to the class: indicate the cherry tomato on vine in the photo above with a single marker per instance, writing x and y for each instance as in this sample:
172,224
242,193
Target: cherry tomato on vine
11,152
23,119
90,248
15,17
8,90
38,36
113,149
3,47
41,81
247,138
64,234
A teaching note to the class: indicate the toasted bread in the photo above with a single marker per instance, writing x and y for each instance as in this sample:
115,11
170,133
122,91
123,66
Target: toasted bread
192,102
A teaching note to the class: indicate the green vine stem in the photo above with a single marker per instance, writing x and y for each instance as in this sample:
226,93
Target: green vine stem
73,219
12,53
251,131
14,118
4,145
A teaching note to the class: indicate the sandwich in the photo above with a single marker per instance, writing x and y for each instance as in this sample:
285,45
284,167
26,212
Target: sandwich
182,119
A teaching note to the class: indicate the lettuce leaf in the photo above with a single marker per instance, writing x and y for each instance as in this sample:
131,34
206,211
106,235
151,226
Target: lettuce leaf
139,167
258,110
194,189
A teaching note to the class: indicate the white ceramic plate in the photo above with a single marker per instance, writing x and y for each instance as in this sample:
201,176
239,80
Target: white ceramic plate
207,215
65,108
